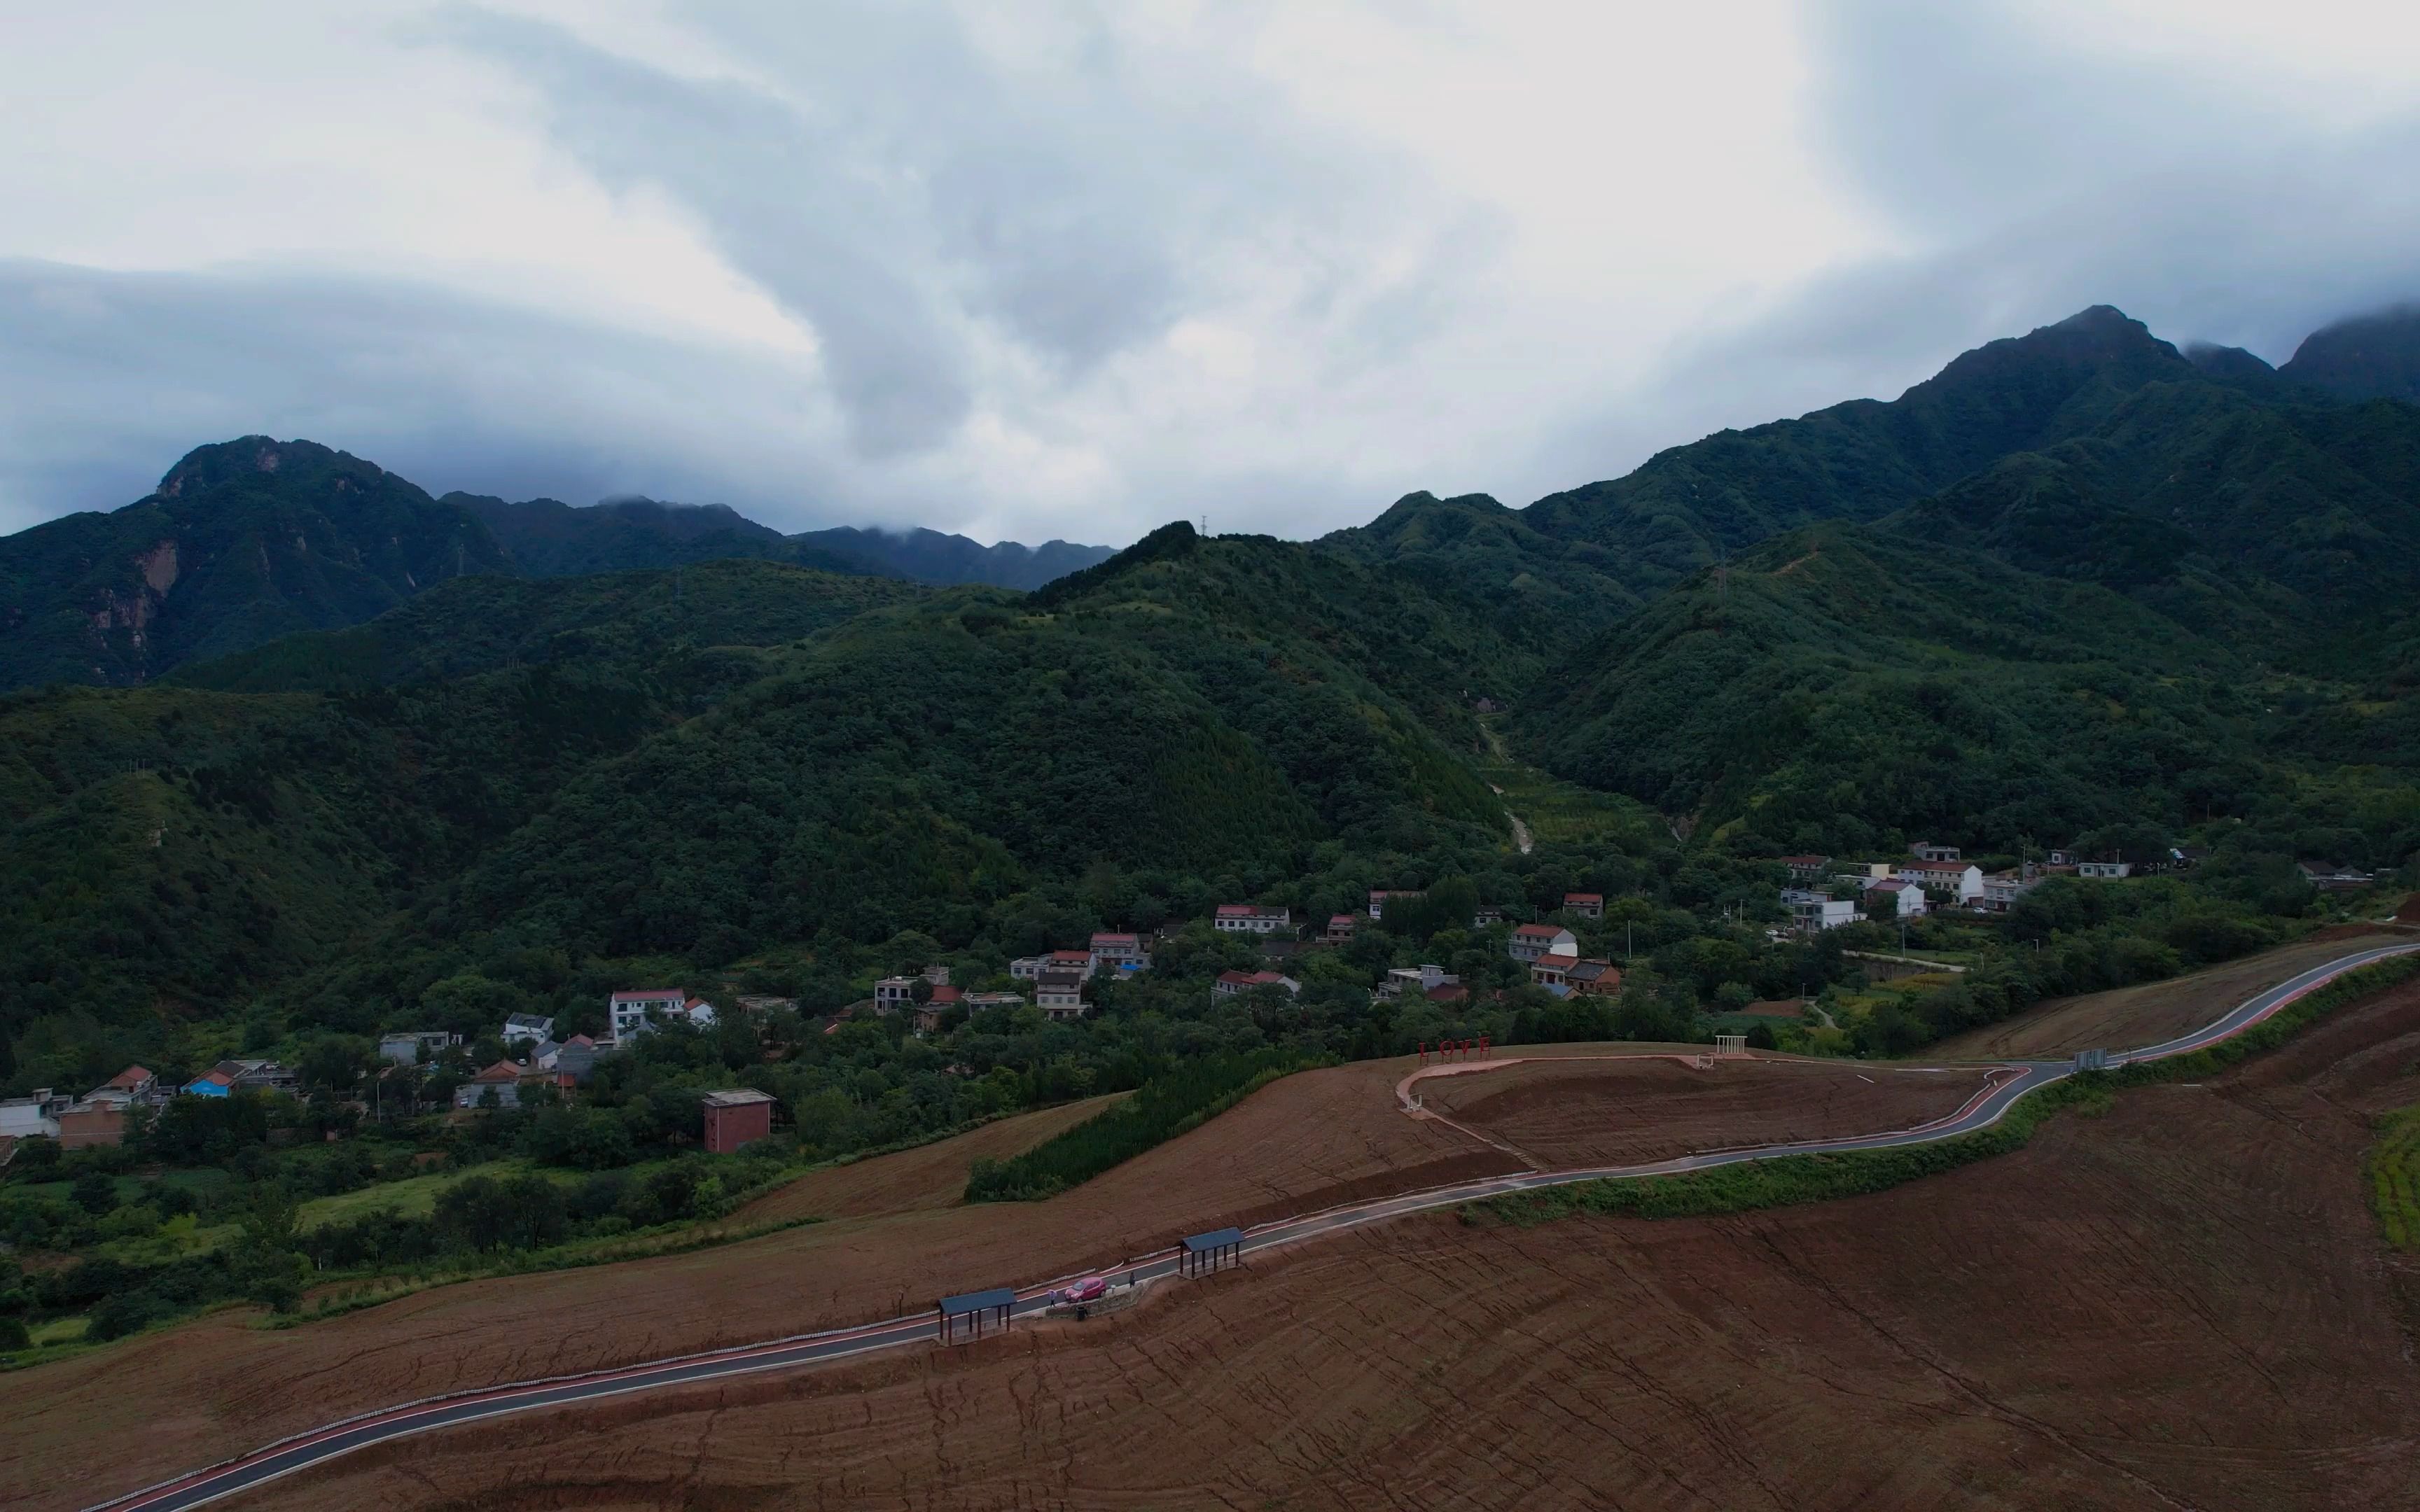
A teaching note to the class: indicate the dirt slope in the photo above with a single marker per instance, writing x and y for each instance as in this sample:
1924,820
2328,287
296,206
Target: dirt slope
928,1176
195,1393
2179,1303
1611,1112
2155,1011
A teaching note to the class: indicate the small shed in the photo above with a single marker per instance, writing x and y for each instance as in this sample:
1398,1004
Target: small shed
967,1314
1213,1251
738,1116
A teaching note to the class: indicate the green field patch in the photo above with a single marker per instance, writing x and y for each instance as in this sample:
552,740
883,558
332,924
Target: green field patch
2394,1172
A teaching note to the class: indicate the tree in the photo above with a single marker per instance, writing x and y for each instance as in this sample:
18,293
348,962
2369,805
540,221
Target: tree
95,1192
336,1061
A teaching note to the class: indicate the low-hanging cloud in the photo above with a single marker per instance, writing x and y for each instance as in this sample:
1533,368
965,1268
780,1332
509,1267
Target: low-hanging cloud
1043,268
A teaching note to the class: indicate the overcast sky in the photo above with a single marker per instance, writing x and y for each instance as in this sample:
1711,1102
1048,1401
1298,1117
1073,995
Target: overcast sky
1059,269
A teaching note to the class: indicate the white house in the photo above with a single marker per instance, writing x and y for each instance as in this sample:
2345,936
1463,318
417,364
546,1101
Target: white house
2002,890
1811,913
892,993
1962,881
633,1014
1110,951
1924,850
1060,994
1252,918
1531,941
528,1026
1402,979
1907,897
2107,870
1378,897
1231,983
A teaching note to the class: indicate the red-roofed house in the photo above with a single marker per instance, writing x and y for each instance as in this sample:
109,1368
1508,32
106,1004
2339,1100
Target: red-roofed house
1339,928
1906,897
503,1078
938,1007
1585,904
1110,951
1530,941
1250,919
1230,983
1597,979
1547,970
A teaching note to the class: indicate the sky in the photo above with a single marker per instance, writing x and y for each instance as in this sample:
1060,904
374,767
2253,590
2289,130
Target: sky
1056,270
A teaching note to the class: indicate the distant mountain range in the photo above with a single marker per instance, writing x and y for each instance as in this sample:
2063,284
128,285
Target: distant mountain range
249,540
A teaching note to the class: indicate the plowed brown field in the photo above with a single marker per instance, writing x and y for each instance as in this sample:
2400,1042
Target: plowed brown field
1561,1114
928,1176
2179,1304
2132,1016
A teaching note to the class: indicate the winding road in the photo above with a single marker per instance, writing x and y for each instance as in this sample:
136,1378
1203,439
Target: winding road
2013,1080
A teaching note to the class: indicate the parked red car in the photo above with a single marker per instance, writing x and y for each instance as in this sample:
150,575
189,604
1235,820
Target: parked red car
1091,1289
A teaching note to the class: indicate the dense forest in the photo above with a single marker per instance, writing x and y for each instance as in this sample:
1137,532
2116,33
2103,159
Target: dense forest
2078,583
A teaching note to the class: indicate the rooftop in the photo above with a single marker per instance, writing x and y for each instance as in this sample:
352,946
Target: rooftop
737,1097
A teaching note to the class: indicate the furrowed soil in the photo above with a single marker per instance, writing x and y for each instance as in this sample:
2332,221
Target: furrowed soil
928,1176
2181,1303
200,1392
1571,1113
2148,1014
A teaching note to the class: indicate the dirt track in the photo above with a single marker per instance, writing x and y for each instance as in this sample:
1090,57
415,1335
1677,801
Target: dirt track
1609,1112
2154,1012
2179,1304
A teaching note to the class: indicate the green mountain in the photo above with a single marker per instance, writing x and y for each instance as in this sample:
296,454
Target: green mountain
251,540
547,538
1683,508
2369,356
242,543
931,557
1838,684
745,756
2221,563
550,539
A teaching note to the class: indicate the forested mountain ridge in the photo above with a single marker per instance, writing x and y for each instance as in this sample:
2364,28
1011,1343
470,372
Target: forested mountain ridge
931,557
250,540
2373,356
548,538
591,767
1890,563
242,542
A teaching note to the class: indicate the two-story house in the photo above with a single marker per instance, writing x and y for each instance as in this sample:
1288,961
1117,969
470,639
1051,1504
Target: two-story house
1962,882
1531,941
1252,918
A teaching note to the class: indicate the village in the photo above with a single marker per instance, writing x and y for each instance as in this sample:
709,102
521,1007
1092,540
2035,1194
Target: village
532,1065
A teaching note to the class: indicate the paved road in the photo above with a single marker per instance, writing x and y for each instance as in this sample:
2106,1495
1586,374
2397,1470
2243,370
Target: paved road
2013,1080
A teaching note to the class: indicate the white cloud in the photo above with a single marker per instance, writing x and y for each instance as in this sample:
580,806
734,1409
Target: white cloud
1044,268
